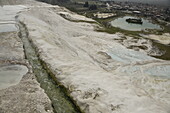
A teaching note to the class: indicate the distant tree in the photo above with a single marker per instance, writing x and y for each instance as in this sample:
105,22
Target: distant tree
167,11
86,4
167,19
92,7
54,2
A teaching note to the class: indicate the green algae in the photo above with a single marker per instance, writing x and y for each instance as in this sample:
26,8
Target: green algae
58,94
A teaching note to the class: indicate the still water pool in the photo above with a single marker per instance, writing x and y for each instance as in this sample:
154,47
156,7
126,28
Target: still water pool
11,75
121,23
7,17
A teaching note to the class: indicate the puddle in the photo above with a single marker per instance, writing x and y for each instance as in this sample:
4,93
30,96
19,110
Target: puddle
127,56
7,27
7,14
161,70
131,57
121,23
153,70
11,75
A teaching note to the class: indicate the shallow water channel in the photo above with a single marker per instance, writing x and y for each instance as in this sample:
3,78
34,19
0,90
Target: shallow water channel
61,102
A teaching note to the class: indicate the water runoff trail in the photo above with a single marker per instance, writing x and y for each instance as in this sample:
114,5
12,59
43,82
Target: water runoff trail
61,101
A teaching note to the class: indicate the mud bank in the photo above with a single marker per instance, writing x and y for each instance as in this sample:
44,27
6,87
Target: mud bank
101,74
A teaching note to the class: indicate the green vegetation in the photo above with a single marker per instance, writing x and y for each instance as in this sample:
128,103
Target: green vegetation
86,4
166,29
163,48
93,7
54,2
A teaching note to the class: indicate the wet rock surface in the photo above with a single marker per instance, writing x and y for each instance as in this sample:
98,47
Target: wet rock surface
25,97
19,90
101,74
11,46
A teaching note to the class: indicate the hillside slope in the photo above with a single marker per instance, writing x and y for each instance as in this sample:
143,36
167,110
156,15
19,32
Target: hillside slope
102,75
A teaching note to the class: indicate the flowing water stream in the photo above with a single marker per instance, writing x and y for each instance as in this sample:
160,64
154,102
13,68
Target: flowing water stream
61,102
